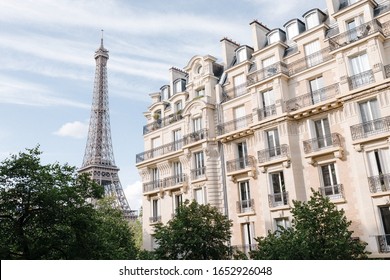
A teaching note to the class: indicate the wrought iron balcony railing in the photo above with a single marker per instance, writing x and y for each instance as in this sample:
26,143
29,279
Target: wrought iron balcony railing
159,151
244,206
355,34
379,183
309,61
312,98
361,79
383,243
266,112
240,163
165,183
387,70
234,124
267,72
234,92
155,219
195,136
160,123
319,143
198,173
370,128
278,199
345,3
273,153
333,192
246,248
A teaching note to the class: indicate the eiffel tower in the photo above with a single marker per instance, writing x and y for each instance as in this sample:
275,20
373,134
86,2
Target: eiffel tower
99,157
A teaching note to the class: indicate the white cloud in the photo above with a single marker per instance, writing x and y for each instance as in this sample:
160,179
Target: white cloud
74,129
133,193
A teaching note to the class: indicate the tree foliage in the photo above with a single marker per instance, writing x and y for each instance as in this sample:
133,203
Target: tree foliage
319,232
197,232
46,212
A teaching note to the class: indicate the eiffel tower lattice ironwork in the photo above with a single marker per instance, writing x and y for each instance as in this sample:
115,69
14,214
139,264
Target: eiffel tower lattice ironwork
99,157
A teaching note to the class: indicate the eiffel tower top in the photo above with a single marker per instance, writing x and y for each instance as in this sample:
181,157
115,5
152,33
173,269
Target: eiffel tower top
101,51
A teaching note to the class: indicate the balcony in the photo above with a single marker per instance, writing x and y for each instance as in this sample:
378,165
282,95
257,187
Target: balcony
164,183
232,166
320,143
278,199
355,34
266,112
333,192
361,79
198,173
195,136
370,128
266,155
311,98
309,61
246,206
155,219
159,151
160,123
379,183
234,92
233,125
152,186
267,72
383,243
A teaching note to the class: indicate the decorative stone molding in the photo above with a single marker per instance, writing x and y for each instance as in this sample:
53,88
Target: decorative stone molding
358,147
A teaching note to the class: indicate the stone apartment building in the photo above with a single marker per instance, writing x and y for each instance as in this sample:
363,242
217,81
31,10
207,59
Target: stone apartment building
307,106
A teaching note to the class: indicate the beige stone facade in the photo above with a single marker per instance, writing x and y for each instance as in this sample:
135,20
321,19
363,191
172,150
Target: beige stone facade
307,107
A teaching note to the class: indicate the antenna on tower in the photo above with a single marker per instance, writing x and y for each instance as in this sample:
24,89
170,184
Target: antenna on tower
101,40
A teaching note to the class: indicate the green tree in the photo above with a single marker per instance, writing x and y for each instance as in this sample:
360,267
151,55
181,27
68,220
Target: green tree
197,232
319,232
46,212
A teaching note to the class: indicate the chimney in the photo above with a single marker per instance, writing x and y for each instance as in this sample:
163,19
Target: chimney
228,51
259,32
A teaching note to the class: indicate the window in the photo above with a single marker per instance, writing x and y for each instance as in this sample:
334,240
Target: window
199,196
313,54
178,172
273,143
239,85
269,67
385,217
354,32
379,169
312,20
155,211
330,186
165,93
200,169
323,134
197,124
242,154
248,237
241,55
278,190
283,222
292,30
268,102
273,37
177,139
240,117
199,69
316,90
178,106
245,204
369,112
199,92
156,143
361,72
177,201
155,177
180,85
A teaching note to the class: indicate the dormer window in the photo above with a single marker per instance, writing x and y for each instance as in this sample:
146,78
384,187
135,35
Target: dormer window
273,37
180,85
165,93
312,20
241,55
292,30
199,69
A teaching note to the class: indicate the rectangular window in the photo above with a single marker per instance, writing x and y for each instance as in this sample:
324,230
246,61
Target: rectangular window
240,117
197,124
178,172
269,66
362,73
283,222
245,203
273,37
177,139
316,90
313,54
278,189
369,112
177,201
248,237
379,170
199,92
273,142
312,20
242,154
292,30
156,143
323,134
239,82
200,169
155,211
330,186
178,106
199,196
267,99
155,177
385,216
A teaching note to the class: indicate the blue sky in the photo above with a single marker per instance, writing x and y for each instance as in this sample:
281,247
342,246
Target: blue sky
47,66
